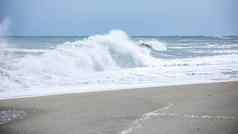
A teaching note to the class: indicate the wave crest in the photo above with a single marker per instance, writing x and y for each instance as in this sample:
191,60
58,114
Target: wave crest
96,53
73,60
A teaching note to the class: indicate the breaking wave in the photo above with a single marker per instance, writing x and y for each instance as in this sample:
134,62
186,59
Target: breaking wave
96,53
74,59
110,59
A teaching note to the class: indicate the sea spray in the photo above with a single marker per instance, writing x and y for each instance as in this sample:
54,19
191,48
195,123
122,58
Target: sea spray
96,53
4,26
74,61
110,61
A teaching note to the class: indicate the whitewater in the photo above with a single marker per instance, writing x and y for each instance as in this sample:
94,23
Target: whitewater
112,61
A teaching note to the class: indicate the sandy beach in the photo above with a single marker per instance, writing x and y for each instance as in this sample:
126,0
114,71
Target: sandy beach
189,109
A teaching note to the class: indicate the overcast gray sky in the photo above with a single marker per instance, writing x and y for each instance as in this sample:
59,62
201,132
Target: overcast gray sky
137,17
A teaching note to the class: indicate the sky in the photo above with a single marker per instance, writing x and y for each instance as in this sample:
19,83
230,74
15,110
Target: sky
136,17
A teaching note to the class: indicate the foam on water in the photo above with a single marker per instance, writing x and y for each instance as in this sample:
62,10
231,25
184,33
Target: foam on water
100,62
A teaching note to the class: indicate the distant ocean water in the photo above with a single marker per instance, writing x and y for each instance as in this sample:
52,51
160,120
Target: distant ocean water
33,66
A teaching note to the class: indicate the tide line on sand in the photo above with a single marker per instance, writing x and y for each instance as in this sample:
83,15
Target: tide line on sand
138,122
160,113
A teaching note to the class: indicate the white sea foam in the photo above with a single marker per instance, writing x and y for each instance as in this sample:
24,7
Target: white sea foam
21,50
110,61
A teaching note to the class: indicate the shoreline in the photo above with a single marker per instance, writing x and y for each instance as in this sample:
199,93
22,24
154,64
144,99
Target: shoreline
111,89
197,108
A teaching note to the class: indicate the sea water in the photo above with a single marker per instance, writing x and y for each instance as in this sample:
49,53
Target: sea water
35,66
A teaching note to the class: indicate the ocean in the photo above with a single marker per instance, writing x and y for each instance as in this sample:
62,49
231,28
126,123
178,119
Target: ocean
36,66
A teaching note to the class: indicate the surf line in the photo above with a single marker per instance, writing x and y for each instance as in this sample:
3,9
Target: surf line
138,122
160,113
193,116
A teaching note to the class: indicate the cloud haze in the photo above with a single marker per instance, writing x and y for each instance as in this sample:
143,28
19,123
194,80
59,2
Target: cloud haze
137,17
4,26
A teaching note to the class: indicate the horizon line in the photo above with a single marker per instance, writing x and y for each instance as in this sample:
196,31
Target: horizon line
129,35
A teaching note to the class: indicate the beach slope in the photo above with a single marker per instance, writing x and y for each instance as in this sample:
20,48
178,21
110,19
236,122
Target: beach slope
197,109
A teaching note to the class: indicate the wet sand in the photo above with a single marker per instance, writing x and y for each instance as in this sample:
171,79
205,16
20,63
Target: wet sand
189,109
